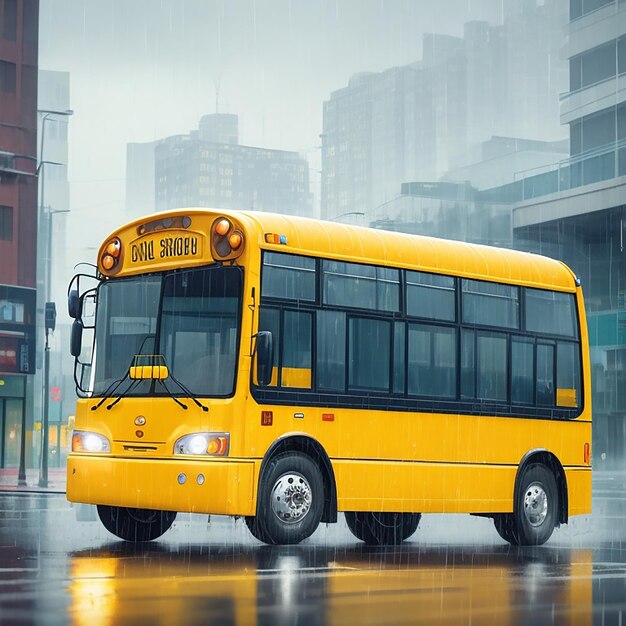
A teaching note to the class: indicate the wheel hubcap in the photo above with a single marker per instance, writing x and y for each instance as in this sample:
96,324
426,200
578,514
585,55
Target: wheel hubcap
536,504
291,498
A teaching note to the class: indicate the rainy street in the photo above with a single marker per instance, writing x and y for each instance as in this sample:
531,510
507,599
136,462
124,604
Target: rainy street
59,565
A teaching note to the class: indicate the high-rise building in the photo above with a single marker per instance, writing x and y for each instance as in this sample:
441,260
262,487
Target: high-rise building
419,121
577,210
210,168
378,132
18,221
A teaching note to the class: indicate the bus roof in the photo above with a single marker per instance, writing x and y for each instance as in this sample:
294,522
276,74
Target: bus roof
430,254
357,244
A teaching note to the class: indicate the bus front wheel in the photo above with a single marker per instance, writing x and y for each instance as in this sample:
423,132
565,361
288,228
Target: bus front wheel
290,500
135,524
382,528
535,510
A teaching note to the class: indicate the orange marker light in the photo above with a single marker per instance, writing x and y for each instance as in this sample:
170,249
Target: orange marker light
235,240
222,227
113,248
107,262
217,445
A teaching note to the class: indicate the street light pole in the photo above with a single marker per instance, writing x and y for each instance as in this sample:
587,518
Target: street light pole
49,325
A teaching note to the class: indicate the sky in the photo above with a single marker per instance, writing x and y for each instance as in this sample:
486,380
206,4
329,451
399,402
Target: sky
145,69
142,70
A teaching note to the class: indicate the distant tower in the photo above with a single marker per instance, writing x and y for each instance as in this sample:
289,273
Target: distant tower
219,128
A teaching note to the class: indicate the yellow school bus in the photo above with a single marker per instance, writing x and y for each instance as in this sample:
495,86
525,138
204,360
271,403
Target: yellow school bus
285,369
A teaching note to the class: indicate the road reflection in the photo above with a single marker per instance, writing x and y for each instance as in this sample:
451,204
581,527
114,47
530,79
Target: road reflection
121,584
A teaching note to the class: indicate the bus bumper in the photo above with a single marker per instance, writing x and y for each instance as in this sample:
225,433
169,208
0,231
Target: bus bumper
219,487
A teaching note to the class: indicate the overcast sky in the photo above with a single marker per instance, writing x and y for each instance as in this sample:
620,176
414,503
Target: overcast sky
145,69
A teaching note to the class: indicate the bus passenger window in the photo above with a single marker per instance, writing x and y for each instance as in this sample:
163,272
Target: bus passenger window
567,374
550,312
331,351
522,374
369,354
399,357
430,296
432,361
468,371
361,286
492,367
296,361
545,375
490,304
288,276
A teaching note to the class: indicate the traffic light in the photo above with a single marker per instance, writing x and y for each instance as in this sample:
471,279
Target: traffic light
50,316
55,394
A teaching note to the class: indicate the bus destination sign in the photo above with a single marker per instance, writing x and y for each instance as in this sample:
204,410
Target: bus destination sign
157,248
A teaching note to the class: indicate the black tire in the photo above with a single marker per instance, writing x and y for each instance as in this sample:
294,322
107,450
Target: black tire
535,509
290,501
382,528
135,524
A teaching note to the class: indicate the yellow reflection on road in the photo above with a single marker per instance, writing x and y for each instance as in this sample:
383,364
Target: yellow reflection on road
323,587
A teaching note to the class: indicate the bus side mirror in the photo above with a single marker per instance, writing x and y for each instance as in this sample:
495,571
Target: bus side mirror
76,339
264,357
74,305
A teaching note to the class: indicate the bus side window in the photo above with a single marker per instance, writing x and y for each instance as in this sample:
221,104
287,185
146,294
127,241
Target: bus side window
331,351
432,361
296,359
545,375
522,370
567,374
369,354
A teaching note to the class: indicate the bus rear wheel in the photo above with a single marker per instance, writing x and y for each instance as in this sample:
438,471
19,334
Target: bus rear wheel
135,524
535,510
382,528
290,500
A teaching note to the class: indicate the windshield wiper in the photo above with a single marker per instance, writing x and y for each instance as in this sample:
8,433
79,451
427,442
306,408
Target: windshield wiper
110,391
186,391
147,367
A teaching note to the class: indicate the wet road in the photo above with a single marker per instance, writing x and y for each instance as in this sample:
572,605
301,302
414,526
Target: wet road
59,566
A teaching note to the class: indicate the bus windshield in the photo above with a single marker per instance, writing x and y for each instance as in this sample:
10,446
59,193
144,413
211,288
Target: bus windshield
191,318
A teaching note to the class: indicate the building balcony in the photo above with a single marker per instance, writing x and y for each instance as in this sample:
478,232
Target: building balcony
594,166
597,27
593,98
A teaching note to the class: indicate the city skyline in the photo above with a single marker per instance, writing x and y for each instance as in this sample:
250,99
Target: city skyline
273,63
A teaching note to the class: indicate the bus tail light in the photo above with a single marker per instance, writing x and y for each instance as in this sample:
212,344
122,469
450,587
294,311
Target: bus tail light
587,454
227,240
210,444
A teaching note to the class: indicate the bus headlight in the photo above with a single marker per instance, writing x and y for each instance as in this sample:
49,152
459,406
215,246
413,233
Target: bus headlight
84,441
212,444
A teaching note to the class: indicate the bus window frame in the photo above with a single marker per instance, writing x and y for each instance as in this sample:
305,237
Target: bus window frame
403,401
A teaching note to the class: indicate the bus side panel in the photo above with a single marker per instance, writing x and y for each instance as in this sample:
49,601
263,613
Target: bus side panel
579,490
424,487
441,488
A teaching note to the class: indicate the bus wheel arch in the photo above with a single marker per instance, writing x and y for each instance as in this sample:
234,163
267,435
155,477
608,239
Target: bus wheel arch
312,448
290,499
546,458
539,501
